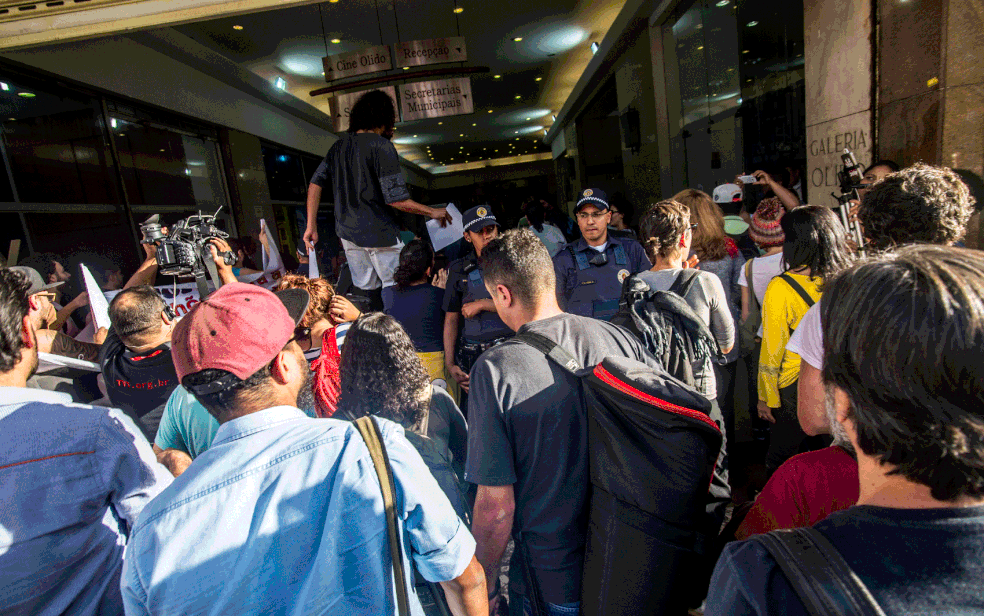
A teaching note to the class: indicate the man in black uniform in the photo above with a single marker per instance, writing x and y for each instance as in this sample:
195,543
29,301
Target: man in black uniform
591,270
466,296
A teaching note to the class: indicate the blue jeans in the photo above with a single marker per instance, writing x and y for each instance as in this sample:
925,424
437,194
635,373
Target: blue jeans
553,609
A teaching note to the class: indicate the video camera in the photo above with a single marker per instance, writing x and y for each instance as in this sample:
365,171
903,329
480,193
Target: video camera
184,250
851,178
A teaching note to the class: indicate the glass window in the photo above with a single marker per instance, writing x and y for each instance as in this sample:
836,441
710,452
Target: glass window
735,83
56,145
285,174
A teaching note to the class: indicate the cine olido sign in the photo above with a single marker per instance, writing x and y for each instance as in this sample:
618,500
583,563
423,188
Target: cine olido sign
351,63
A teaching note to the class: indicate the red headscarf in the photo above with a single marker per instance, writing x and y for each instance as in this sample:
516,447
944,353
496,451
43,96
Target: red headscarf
327,381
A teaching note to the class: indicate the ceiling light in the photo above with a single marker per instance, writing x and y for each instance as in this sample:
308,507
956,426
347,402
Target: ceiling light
26,94
415,136
538,79
458,9
462,135
699,48
517,39
280,83
439,123
554,116
490,111
594,47
752,24
406,68
528,119
723,2
237,27
473,124
744,51
4,86
333,1
336,40
497,77
517,97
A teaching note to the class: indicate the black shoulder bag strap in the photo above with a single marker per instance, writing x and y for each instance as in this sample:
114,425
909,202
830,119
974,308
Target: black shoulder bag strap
551,349
799,289
818,573
684,281
374,441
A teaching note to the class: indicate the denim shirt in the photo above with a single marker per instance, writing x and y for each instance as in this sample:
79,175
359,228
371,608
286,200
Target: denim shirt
73,479
283,514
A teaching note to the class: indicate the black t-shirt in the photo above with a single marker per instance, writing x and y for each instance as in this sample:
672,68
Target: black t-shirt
365,175
138,384
914,561
528,429
418,309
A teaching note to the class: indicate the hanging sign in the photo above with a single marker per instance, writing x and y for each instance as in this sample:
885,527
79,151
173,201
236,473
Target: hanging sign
351,63
430,51
341,106
436,99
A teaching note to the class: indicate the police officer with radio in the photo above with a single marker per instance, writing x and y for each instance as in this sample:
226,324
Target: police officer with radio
591,270
466,299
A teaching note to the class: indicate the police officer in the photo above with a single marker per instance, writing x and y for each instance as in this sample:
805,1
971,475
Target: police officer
466,296
590,271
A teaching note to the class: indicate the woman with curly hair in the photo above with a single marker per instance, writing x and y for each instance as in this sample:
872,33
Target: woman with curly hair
381,375
327,318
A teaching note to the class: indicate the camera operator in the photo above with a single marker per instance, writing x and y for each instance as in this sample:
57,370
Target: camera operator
136,357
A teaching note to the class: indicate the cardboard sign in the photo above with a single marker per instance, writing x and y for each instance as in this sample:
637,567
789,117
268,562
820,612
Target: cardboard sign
430,51
362,62
342,106
436,99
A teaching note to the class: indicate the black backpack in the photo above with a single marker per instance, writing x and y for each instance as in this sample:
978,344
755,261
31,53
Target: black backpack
653,450
667,325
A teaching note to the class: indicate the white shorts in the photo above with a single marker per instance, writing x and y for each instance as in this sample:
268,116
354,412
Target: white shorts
372,268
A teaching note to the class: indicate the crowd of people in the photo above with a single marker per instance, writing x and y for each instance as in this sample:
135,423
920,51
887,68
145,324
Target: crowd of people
415,449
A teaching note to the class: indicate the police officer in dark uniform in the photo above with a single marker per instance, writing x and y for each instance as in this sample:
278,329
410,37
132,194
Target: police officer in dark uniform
591,270
468,305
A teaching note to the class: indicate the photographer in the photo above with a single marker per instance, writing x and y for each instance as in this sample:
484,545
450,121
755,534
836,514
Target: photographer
136,357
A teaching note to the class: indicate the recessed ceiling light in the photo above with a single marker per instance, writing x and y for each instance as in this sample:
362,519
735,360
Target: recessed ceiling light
528,119
415,136
723,2
458,9
517,97
490,111
322,73
752,24
26,94
4,86
473,124
336,40
237,27
699,48
744,51
406,68
539,79
517,39
594,47
333,1
439,123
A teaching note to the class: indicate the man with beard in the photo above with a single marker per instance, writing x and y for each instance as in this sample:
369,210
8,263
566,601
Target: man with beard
284,512
74,479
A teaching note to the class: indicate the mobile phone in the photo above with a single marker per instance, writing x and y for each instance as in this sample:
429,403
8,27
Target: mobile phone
748,179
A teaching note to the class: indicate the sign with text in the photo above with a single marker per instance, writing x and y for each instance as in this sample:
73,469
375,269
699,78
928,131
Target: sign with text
825,143
342,106
351,63
430,51
436,99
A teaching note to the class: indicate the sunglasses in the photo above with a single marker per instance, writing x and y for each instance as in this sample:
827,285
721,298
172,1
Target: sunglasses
301,334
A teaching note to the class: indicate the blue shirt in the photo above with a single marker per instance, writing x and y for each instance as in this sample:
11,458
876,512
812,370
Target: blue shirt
284,515
418,309
186,425
73,479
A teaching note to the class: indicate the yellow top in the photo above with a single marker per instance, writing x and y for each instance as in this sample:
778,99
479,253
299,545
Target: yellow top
782,310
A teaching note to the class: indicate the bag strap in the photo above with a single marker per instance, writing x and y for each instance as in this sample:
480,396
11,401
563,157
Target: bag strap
377,451
684,282
551,349
822,579
799,289
751,287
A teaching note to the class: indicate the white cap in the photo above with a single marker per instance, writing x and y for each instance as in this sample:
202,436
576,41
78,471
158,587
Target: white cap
726,193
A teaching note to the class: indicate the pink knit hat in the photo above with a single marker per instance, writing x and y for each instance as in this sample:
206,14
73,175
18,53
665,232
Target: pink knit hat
766,230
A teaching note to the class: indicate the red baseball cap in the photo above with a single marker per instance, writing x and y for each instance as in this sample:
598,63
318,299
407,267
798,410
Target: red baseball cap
240,329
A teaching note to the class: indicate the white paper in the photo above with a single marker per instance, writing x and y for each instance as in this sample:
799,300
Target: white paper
271,261
313,265
97,301
47,362
442,237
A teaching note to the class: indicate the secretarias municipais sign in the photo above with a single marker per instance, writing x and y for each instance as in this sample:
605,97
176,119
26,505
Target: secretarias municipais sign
435,99
364,61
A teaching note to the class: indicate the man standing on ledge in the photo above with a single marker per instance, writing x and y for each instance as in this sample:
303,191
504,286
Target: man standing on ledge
366,180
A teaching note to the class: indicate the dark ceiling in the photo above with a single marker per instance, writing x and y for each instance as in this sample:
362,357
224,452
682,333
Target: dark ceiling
510,115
